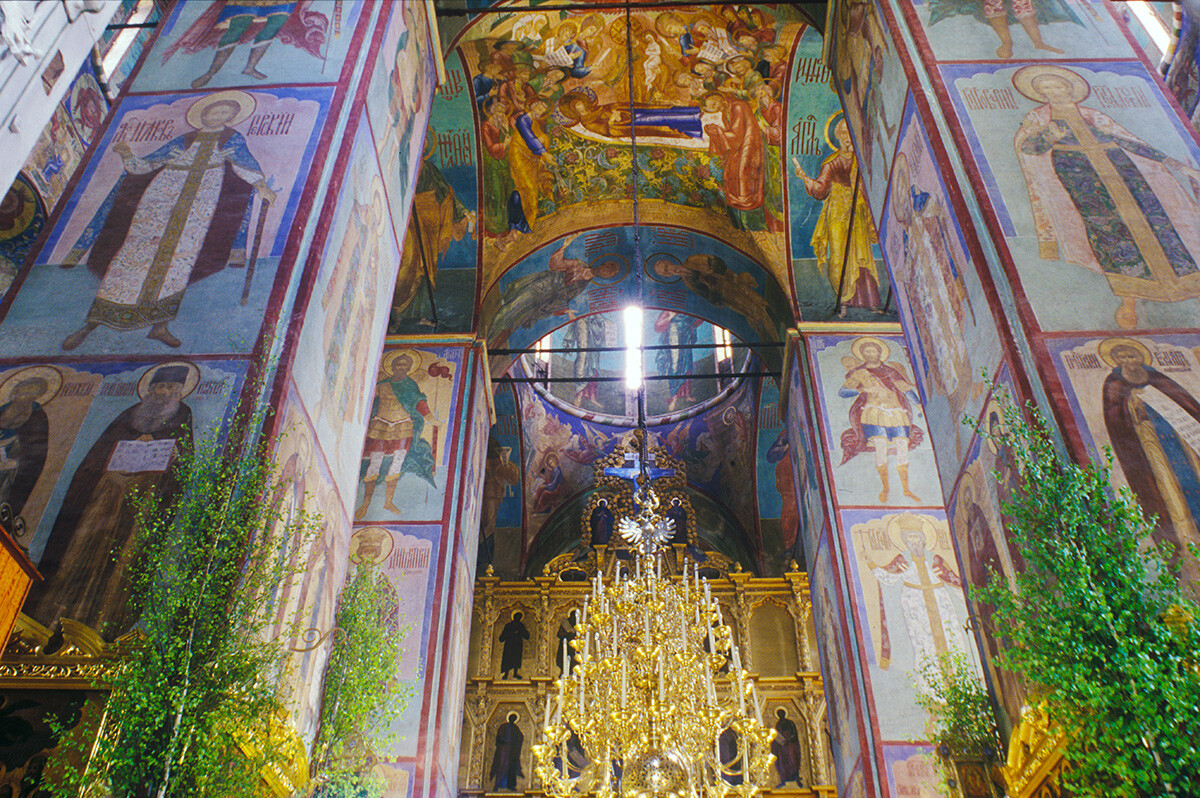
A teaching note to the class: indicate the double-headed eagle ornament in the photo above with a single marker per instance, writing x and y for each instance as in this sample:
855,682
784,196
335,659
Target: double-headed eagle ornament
647,532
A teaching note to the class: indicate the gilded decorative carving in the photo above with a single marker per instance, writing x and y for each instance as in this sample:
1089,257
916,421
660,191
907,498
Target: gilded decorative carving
1035,754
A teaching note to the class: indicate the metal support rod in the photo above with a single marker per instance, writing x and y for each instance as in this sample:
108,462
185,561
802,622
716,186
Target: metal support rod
652,348
578,380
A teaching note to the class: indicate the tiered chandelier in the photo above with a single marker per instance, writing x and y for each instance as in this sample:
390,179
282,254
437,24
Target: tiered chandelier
658,703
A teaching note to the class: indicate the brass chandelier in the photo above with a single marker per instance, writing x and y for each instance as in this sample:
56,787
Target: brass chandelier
658,703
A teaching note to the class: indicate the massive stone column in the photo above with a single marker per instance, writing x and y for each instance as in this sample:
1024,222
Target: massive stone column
1037,196
887,593
234,225
417,504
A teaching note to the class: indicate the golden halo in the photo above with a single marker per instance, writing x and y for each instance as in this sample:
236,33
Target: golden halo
385,367
1023,78
51,375
372,536
895,533
829,122
244,102
859,343
189,384
22,191
1109,344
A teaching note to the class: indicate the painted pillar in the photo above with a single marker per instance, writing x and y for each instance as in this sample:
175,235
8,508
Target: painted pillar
1037,198
233,223
886,587
417,507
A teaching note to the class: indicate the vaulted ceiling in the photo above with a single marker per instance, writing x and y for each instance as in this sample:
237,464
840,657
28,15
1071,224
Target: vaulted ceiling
584,157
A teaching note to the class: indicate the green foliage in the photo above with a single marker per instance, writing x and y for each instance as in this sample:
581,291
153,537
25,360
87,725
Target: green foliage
959,707
194,703
1099,626
362,698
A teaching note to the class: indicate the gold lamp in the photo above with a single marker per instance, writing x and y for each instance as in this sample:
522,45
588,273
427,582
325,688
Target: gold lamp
658,703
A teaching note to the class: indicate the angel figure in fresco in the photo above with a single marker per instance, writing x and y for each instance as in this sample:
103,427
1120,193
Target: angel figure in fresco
24,431
881,417
932,274
347,312
395,432
1153,423
1001,14
228,23
844,233
176,215
1103,198
922,572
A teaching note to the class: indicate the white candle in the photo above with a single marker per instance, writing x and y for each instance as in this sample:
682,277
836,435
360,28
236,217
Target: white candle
579,673
646,620
586,639
737,658
685,582
662,677
583,615
566,662
546,720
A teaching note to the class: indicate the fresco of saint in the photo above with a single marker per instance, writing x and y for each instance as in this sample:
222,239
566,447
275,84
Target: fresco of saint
229,23
932,279
395,432
1105,199
1000,15
1153,423
177,215
881,418
843,252
925,580
90,547
24,431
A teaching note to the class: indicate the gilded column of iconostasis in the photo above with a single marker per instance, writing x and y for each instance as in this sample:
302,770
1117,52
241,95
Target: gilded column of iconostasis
233,221
1036,196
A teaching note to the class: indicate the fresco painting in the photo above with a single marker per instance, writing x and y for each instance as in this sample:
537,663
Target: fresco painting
912,771
1132,257
344,325
22,217
871,83
117,428
407,557
408,438
557,119
942,305
842,709
230,43
779,516
501,505
184,211
435,287
308,603
398,103
802,447
587,273
1025,30
1140,396
909,591
875,429
60,147
984,547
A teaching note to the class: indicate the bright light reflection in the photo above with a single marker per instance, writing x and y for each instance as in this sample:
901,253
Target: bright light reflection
633,347
1154,26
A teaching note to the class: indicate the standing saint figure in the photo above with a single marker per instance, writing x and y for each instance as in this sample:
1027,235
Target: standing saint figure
176,216
1001,14
923,577
881,415
395,433
227,23
931,271
738,141
24,431
91,544
1103,198
844,233
1153,423
513,637
786,748
506,762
